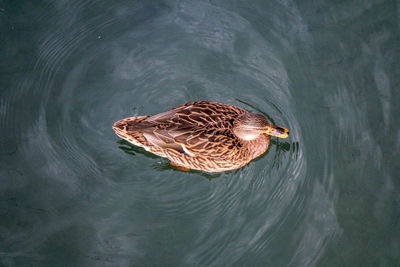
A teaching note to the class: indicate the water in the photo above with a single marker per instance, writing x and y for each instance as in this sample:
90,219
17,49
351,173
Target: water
73,194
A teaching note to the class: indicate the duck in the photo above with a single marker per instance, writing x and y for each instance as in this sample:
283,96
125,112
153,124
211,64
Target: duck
202,135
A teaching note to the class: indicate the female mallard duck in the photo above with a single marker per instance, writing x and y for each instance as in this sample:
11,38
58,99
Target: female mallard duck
207,136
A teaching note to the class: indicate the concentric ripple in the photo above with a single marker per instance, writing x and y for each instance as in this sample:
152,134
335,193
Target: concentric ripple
92,70
113,204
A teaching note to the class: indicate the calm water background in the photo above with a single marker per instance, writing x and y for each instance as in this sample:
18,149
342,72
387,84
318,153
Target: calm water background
73,194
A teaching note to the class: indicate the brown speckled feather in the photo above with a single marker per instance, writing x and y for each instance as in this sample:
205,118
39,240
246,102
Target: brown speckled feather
195,135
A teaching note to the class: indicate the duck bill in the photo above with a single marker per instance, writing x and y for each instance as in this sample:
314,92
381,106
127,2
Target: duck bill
280,132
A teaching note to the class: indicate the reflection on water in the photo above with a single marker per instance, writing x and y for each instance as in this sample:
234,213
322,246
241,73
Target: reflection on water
72,191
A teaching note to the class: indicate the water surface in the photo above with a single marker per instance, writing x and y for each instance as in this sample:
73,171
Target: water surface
73,194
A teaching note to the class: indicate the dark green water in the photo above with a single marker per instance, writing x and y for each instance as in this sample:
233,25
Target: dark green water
73,194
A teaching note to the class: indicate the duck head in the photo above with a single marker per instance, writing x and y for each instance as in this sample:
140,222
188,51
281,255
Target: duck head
249,126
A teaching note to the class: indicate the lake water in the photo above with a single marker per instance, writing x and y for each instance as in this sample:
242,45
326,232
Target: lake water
73,194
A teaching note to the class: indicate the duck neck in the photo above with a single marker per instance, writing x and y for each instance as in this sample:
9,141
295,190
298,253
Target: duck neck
245,134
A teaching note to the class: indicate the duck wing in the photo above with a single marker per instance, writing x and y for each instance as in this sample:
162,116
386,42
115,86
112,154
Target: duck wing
199,128
160,130
192,129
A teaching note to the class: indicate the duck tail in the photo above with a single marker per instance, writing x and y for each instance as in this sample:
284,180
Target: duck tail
132,124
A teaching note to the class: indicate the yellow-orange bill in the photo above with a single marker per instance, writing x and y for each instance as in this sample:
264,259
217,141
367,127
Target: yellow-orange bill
280,132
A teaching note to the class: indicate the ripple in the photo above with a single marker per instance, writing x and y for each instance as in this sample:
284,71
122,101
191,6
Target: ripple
272,182
128,202
8,146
